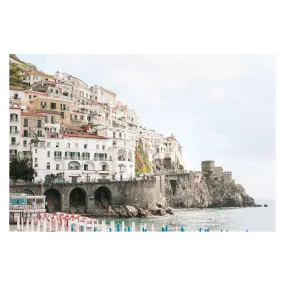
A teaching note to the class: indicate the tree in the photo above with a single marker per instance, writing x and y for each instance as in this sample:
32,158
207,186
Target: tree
15,76
21,168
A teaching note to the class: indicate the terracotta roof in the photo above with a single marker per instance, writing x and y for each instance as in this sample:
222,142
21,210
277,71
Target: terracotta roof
47,111
31,114
14,108
84,136
75,129
30,91
16,88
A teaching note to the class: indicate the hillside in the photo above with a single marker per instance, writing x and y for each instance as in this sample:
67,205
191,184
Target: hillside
18,68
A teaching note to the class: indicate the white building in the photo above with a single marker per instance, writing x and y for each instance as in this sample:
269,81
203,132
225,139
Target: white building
16,94
82,157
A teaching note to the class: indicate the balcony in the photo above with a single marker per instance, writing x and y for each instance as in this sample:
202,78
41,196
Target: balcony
14,143
14,120
57,157
101,159
41,144
14,132
101,171
72,157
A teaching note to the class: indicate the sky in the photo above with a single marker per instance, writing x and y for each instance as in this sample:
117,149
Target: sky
219,107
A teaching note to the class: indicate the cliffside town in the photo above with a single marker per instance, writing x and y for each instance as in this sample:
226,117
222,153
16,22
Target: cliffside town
75,133
79,133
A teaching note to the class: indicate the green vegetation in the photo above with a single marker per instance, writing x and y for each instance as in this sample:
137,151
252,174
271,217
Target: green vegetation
21,168
142,165
15,78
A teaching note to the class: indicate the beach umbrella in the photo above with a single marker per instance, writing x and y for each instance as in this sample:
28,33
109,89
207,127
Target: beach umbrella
22,227
27,225
18,223
133,227
44,225
141,227
62,226
38,225
123,226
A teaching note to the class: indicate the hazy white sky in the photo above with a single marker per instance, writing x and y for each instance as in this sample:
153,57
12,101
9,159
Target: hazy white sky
219,107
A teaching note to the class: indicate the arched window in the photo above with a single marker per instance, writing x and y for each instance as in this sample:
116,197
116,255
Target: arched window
48,165
114,143
51,90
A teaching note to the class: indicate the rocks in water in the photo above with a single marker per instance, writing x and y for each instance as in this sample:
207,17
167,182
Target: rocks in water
258,205
159,205
158,212
265,205
169,210
143,213
127,211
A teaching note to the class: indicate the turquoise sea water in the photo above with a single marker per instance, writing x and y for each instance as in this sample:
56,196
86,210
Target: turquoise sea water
259,219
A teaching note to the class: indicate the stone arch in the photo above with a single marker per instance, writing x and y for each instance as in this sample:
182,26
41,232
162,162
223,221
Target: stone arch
91,165
78,199
28,192
130,156
103,197
122,155
53,199
74,165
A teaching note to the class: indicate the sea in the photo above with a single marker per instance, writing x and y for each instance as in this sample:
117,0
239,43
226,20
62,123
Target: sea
255,219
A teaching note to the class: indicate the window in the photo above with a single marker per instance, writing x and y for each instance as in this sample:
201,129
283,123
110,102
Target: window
46,119
36,150
57,144
39,123
95,96
62,107
62,115
74,179
56,91
97,146
25,143
13,141
48,165
52,120
53,105
36,174
103,147
26,133
48,144
75,117
81,117
86,155
114,134
40,134
43,104
85,146
57,166
13,152
30,96
57,155
36,165
16,96
76,145
70,117
13,129
120,135
68,145
114,143
48,153
36,159
26,121
85,166
103,167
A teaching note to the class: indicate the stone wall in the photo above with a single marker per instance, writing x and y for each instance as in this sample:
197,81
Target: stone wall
142,193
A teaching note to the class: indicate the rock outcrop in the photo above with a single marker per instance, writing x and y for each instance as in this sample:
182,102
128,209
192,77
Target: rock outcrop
207,191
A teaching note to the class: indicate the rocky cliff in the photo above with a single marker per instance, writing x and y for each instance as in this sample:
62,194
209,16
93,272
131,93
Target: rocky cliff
209,190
